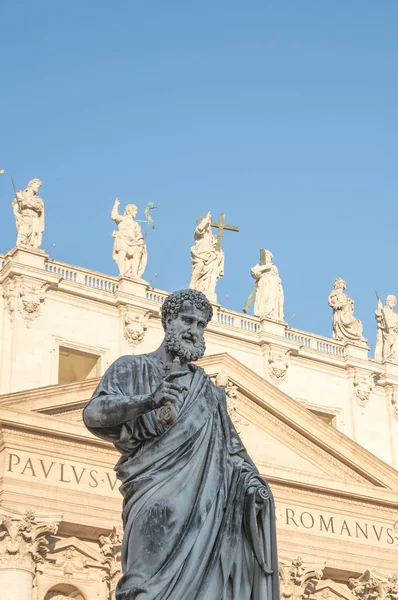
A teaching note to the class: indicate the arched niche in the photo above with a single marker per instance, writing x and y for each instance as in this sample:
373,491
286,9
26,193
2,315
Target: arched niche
64,591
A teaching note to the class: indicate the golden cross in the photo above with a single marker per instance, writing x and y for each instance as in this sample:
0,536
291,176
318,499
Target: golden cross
221,226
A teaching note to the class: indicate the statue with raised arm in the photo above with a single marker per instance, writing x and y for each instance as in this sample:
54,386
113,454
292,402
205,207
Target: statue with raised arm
207,259
199,520
28,210
129,248
345,326
387,330
269,292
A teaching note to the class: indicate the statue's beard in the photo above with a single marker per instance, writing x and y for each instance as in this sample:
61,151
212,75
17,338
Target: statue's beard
176,347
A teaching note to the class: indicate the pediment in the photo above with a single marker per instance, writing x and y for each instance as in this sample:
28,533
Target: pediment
289,442
330,590
286,440
74,553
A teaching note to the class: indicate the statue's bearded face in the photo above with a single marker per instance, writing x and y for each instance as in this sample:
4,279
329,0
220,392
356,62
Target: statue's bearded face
184,333
131,210
34,185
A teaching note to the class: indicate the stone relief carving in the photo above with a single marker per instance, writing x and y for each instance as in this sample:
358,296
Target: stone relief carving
31,298
298,580
207,259
375,585
129,248
345,326
111,549
135,327
393,397
268,290
328,589
387,330
10,295
231,392
28,210
363,388
23,540
328,595
70,561
391,587
278,366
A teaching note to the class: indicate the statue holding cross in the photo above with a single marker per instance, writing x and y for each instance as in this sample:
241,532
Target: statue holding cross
207,256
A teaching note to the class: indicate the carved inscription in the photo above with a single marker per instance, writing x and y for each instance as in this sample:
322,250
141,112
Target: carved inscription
61,473
338,525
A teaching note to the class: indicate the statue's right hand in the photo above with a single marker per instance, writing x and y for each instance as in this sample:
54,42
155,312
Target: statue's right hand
168,391
117,202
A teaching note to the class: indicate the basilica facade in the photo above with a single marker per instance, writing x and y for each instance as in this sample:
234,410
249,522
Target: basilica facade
317,415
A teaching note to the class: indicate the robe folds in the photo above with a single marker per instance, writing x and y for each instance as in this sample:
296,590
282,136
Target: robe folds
193,526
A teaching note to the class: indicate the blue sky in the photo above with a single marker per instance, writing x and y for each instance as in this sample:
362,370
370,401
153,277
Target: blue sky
283,114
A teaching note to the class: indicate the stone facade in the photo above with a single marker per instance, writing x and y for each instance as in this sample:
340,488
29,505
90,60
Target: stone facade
318,416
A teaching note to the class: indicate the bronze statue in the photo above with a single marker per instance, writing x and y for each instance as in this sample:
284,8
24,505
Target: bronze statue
199,520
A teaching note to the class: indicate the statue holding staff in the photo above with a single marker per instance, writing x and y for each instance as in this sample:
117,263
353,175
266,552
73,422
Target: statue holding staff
207,259
199,520
267,292
207,256
129,248
28,208
387,330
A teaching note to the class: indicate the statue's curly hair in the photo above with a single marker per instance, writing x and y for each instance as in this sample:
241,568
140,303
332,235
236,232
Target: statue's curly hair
173,304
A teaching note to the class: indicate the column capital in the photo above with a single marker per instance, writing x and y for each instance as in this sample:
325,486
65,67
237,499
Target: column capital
372,584
298,579
23,538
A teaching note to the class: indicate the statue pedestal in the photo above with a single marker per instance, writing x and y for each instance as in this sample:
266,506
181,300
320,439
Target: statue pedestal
390,369
212,298
30,257
360,350
275,328
133,287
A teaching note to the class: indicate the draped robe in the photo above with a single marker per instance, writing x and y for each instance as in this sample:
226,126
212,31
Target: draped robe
192,527
207,261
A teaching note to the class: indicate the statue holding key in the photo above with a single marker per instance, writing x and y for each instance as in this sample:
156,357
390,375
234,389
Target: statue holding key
199,520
